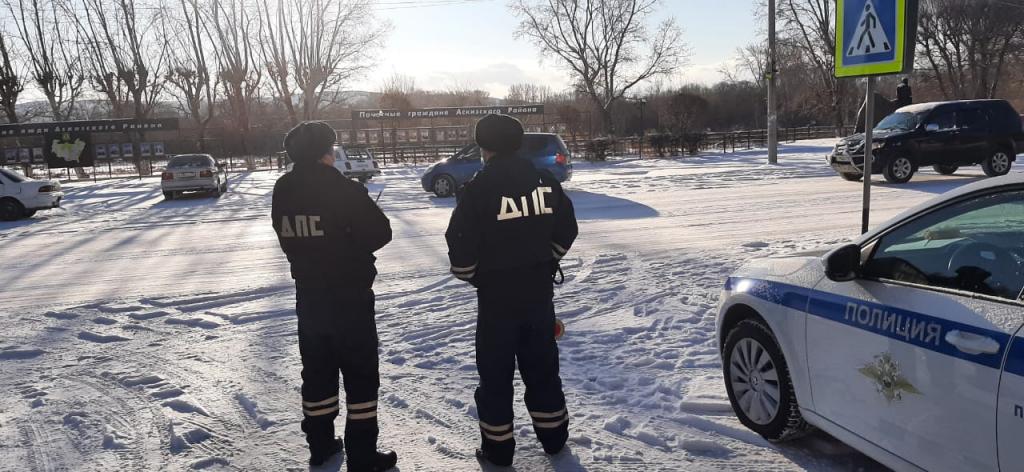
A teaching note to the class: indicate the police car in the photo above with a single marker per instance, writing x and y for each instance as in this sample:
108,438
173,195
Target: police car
905,344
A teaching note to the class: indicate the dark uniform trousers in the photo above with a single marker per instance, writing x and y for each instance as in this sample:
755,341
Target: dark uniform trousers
512,327
337,332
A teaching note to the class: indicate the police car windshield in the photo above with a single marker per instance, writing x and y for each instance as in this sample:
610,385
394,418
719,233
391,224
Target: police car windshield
13,176
190,161
903,121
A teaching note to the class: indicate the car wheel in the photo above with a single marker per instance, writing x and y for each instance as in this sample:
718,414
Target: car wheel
168,195
11,209
444,186
946,170
997,164
898,170
224,187
29,213
758,383
851,176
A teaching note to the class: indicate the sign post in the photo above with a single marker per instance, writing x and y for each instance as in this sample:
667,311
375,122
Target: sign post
874,37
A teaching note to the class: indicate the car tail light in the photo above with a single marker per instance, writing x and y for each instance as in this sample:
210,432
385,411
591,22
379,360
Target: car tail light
166,176
561,159
348,165
206,173
46,189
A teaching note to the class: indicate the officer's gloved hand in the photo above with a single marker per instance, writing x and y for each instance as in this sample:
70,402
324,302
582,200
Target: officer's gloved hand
459,192
557,276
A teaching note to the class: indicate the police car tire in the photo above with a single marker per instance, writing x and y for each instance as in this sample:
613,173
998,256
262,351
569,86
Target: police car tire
168,195
11,209
851,176
788,423
895,165
946,170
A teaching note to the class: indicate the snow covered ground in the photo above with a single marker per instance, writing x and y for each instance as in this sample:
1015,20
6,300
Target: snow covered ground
139,334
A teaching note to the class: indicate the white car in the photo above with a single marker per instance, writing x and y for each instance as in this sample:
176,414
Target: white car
193,173
905,344
355,163
21,197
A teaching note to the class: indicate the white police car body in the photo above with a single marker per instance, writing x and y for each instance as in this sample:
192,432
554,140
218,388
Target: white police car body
906,344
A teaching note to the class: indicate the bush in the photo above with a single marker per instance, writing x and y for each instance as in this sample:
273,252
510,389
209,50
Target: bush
598,149
692,141
661,142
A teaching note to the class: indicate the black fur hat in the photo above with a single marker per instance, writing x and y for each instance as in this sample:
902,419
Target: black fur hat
309,141
499,133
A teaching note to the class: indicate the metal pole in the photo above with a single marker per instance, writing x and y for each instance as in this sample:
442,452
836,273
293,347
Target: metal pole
869,121
773,142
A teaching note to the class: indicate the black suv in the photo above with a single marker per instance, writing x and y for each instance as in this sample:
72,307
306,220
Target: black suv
944,135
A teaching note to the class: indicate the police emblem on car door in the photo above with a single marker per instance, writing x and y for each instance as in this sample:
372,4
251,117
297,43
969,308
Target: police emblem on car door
908,356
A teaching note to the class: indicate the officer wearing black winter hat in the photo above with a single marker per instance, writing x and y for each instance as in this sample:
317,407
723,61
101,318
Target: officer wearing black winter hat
510,228
329,228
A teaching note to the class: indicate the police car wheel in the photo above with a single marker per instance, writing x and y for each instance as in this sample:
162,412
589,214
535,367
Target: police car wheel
997,164
168,195
899,170
851,176
946,170
11,209
758,383
444,186
30,213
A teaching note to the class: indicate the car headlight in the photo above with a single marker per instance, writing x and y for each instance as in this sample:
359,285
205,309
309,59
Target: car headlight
875,145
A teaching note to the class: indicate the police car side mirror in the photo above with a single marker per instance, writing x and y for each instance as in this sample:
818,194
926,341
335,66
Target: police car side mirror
843,264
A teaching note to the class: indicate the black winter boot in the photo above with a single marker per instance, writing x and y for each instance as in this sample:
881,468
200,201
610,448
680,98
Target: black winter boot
317,456
483,457
386,460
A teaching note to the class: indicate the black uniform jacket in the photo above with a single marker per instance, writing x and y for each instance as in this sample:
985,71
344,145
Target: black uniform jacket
329,228
512,222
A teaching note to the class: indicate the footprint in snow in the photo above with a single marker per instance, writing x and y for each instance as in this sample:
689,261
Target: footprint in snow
100,338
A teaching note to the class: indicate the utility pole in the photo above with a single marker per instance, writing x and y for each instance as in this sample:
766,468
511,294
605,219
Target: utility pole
773,125
869,120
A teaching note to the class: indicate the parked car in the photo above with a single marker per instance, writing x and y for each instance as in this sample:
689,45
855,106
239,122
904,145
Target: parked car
21,197
354,162
193,173
905,344
547,152
944,135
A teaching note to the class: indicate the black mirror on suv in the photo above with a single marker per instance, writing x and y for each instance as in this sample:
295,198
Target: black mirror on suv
843,264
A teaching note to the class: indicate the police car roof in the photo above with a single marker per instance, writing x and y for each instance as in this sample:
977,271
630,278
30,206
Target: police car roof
1016,179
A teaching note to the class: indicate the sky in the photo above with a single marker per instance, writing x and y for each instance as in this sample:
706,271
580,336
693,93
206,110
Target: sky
442,43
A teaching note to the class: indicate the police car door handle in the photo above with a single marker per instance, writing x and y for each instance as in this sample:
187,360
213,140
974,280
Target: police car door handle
972,343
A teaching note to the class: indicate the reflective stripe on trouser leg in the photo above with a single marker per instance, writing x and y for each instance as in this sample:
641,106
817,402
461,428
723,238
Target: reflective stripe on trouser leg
499,433
320,407
362,411
546,420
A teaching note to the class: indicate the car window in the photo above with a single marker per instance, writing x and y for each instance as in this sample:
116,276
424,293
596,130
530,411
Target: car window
945,120
541,145
903,121
469,153
190,161
14,177
972,119
975,246
359,154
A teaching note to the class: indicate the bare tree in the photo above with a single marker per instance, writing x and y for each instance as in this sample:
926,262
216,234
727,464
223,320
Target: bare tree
235,32
811,27
966,45
11,81
396,91
52,51
189,68
606,44
522,94
127,53
463,94
314,47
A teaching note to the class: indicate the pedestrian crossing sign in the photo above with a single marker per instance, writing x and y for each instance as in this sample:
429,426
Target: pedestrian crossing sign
872,37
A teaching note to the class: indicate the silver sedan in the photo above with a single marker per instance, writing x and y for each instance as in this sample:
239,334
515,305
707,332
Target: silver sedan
193,173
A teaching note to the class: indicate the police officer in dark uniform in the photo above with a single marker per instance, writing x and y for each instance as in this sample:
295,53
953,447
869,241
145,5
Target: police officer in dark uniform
511,226
904,94
329,228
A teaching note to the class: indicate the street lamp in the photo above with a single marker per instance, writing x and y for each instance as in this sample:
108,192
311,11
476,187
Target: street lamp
642,103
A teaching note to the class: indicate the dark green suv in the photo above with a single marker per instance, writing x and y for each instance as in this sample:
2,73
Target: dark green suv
944,135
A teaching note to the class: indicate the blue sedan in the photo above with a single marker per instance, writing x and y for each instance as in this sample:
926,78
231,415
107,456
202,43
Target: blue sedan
547,152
